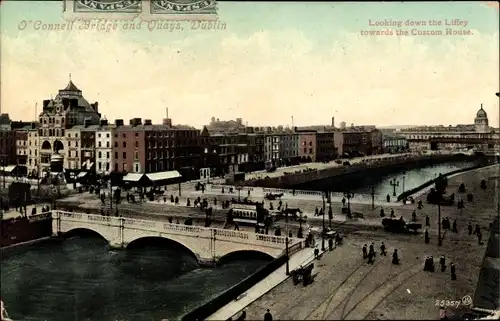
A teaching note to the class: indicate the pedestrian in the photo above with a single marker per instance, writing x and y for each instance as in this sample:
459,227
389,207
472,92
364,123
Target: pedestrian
268,316
442,262
392,213
395,258
477,230
370,257
426,237
243,316
382,249
453,272
470,228
414,216
479,238
382,213
442,313
316,253
372,249
455,229
316,212
365,254
248,196
427,221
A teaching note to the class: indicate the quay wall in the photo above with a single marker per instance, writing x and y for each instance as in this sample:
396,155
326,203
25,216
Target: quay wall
337,174
15,231
209,308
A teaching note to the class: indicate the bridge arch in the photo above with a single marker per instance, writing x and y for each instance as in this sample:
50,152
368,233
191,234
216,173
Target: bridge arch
163,242
244,255
83,231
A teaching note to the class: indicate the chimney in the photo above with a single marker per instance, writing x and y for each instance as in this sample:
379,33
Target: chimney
104,122
118,122
333,121
148,122
135,122
167,122
46,103
96,107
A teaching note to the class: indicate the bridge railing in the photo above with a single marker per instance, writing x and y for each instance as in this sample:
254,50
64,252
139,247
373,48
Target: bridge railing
295,248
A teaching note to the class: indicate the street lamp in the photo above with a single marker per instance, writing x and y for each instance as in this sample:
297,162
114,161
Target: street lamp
323,231
440,240
404,178
394,184
349,195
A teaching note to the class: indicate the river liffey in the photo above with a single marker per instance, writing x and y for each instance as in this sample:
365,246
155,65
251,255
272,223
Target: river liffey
405,180
80,279
408,179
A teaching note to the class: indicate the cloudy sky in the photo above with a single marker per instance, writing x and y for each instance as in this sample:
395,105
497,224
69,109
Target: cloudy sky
273,61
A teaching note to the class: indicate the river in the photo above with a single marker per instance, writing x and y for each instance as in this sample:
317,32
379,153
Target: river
405,179
80,279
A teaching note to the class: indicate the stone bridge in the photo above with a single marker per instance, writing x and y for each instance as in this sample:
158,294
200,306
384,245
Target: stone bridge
208,245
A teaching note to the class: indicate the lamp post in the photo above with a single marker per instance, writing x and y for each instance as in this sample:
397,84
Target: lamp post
404,178
373,197
286,244
349,195
394,183
440,240
323,231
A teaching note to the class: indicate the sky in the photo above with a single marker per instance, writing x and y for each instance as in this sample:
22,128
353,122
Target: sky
273,61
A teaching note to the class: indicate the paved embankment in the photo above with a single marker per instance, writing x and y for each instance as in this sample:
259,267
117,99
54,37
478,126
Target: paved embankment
346,287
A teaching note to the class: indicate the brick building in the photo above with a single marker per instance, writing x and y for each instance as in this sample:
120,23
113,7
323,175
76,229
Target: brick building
360,141
22,149
307,145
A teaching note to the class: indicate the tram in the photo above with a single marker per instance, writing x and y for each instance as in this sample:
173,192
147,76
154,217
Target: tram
248,215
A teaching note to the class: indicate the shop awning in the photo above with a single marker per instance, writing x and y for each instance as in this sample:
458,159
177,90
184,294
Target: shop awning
8,169
163,176
81,174
132,177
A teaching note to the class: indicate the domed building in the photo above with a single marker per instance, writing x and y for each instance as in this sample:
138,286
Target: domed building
478,136
481,121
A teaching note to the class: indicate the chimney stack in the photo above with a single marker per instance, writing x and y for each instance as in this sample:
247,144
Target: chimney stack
118,122
333,122
147,122
167,122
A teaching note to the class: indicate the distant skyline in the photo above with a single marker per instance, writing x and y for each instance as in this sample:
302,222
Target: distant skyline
273,61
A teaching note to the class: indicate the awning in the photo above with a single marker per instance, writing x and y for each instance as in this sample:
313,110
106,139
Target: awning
162,176
133,177
8,169
81,174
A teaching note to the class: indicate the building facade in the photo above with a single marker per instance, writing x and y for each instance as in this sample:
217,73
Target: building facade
33,165
22,149
129,147
74,143
477,136
361,141
104,148
394,144
307,143
325,146
69,108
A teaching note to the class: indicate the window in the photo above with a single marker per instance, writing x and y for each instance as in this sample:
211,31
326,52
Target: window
124,167
99,165
116,144
136,155
76,144
99,135
124,136
100,155
99,143
107,144
136,144
107,166
136,168
107,136
76,153
124,144
124,155
116,167
116,155
107,155
136,134
310,150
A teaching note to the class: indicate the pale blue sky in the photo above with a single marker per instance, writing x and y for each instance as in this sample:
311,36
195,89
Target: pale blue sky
319,42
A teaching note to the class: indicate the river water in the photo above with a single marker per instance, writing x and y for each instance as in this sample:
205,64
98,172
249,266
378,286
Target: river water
80,279
382,183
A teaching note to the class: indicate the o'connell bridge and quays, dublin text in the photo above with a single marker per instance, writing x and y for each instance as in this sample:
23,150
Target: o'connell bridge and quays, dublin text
105,25
390,27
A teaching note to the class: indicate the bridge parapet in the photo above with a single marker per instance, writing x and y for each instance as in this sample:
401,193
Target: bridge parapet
208,244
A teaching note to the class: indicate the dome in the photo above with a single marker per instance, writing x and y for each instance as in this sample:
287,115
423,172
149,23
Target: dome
481,113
